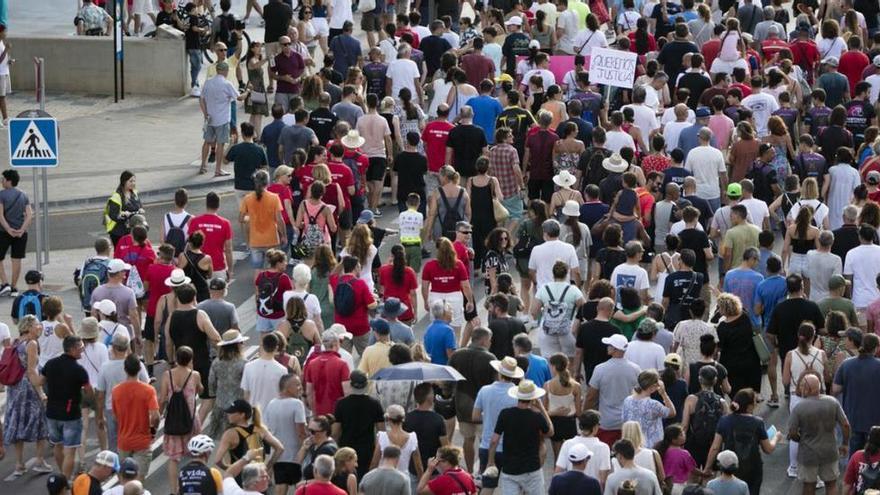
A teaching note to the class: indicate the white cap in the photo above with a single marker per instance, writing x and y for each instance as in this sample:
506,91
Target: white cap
579,452
105,307
514,21
616,341
116,265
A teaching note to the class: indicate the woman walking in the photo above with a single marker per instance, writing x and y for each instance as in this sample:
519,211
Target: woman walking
181,378
260,210
738,353
563,401
224,379
197,265
800,238
482,190
123,203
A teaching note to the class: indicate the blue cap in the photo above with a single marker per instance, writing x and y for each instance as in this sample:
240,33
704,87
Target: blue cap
380,326
366,216
703,112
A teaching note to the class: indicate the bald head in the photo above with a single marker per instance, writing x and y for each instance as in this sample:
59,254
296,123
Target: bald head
605,307
811,385
672,190
133,488
681,112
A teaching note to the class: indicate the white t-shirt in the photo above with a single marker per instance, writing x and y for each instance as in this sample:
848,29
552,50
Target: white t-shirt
4,333
820,210
341,12
177,220
545,255
389,49
820,268
669,116
617,140
626,275
94,356
672,131
411,445
646,120
452,37
410,223
830,47
646,354
652,97
493,51
281,417
758,210
230,486
844,179
863,263
218,93
260,380
567,20
874,92
627,20
762,106
313,305
547,78
367,268
706,162
588,39
422,31
600,461
403,72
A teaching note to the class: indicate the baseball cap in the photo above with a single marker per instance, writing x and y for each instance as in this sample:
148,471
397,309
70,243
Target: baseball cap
105,307
33,277
380,326
239,406
727,459
673,359
217,283
366,216
514,21
129,467
734,190
873,177
703,113
616,341
877,60
836,281
56,483
108,459
832,61
579,452
117,265
358,380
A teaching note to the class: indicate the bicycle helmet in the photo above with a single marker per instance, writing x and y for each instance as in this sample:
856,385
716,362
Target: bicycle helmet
200,445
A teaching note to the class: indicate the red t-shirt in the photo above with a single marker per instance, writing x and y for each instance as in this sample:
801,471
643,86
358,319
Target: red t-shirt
804,53
363,162
155,276
400,291
710,50
852,64
477,68
435,135
652,43
326,371
303,176
217,231
284,193
358,323
874,196
746,90
461,250
140,257
341,174
856,465
283,284
446,485
442,280
415,36
132,402
770,47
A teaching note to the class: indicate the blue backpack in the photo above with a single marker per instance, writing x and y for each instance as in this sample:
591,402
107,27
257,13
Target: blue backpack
94,273
31,299
344,297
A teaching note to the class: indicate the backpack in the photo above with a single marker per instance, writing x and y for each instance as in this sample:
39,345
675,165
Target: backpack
452,216
32,299
178,417
556,317
869,477
297,345
11,369
93,274
135,283
524,245
352,163
251,438
758,176
313,234
267,286
704,420
808,370
108,337
175,235
227,26
344,297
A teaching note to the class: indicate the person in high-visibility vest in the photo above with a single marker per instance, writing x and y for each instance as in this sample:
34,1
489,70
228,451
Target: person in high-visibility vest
123,203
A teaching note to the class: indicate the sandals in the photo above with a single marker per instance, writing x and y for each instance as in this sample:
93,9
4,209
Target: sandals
222,173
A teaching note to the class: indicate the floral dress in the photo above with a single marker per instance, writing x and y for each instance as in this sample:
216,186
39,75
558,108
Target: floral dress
258,85
25,418
649,413
174,446
411,125
566,161
780,163
224,383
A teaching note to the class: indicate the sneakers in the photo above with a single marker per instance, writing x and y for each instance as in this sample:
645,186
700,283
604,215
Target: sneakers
773,402
377,213
792,471
195,92
13,292
43,467
5,289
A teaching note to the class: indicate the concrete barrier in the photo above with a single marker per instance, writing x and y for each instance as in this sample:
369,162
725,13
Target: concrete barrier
84,64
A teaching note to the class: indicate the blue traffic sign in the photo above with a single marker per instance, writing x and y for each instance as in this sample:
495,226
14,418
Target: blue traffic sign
33,142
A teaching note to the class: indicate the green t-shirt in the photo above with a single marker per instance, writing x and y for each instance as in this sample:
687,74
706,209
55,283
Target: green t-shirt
845,306
738,239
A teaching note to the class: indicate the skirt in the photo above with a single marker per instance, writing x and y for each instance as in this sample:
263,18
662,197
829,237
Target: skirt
564,428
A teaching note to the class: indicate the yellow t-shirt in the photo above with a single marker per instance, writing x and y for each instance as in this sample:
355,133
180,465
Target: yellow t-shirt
375,358
233,63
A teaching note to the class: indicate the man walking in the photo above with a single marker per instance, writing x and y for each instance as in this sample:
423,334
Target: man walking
112,374
474,362
386,478
65,380
326,375
861,267
710,171
612,382
260,378
856,384
285,417
136,410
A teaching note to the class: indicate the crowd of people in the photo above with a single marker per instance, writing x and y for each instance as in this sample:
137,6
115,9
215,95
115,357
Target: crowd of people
655,264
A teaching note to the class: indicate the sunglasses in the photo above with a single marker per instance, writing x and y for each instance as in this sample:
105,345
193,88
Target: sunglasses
307,11
285,44
505,238
313,432
465,232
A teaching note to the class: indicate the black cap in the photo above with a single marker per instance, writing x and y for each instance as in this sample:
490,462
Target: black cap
129,467
217,283
56,483
240,406
358,379
33,277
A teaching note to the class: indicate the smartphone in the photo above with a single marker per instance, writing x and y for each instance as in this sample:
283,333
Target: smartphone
771,432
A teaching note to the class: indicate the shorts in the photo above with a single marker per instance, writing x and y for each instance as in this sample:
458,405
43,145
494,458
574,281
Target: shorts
532,482
370,22
797,264
608,437
233,118
564,428
88,401
321,26
825,472
552,344
376,171
67,433
483,454
413,256
283,99
5,86
727,67
287,473
470,430
216,134
266,325
345,219
149,332
455,300
18,245
142,457
514,205
258,256
141,7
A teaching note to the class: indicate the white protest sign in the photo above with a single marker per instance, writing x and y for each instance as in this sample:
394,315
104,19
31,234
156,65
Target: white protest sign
612,67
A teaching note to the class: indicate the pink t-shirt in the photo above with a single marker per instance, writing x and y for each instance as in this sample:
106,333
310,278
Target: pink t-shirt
678,463
721,126
872,314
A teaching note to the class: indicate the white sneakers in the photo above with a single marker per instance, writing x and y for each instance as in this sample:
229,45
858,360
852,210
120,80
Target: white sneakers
195,92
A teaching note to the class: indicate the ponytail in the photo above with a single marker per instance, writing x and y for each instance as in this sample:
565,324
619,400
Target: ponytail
560,364
257,419
575,227
806,333
398,264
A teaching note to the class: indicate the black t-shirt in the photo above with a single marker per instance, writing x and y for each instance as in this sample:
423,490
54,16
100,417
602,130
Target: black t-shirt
246,158
680,283
671,54
473,362
411,168
165,18
433,47
845,239
696,83
831,138
787,316
694,376
65,379
503,332
590,164
608,260
589,340
514,44
358,415
375,75
322,121
742,433
706,211
697,240
522,440
518,120
870,9
859,114
429,428
574,482
191,38
467,142
277,16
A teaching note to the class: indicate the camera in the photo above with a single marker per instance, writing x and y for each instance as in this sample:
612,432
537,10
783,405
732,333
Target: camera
239,25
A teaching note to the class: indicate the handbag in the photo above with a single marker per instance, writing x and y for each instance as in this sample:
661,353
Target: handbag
498,210
366,6
258,97
761,348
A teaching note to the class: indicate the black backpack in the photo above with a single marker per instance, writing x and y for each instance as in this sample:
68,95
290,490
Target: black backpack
267,286
344,298
869,477
178,417
175,235
704,420
452,216
758,174
227,27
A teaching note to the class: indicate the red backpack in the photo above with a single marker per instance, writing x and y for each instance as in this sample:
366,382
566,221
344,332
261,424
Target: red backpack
11,370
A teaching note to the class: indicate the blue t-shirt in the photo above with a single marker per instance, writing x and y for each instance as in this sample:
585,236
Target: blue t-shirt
675,175
438,338
734,486
744,283
539,370
858,377
769,293
486,111
574,482
346,51
764,255
689,140
269,137
491,400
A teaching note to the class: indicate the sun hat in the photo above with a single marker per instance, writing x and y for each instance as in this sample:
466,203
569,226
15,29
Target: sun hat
337,330
353,139
105,306
88,328
526,390
392,307
116,265
734,190
564,179
579,452
615,164
507,367
514,21
177,278
108,459
616,341
571,208
231,337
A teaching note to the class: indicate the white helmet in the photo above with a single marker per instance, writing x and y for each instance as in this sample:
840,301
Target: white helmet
200,445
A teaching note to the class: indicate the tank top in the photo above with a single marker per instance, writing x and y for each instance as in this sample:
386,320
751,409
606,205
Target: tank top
406,450
320,220
557,401
800,363
184,330
243,432
729,47
50,345
199,277
801,246
661,276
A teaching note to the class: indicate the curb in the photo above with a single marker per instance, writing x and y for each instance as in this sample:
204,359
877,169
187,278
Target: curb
223,185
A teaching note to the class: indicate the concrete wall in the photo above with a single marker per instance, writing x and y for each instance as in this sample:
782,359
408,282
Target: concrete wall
84,64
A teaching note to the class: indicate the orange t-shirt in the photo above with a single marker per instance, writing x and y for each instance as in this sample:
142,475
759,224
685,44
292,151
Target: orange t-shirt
131,403
263,213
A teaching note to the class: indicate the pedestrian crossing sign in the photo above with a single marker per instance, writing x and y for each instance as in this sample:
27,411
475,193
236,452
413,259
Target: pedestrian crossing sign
33,142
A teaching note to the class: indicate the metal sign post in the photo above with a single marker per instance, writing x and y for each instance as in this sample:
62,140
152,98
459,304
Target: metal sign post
118,55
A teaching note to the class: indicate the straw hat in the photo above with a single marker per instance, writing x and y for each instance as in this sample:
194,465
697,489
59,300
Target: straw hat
231,337
564,179
615,164
177,278
88,328
507,367
526,390
353,139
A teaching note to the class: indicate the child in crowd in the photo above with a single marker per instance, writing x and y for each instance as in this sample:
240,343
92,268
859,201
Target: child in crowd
411,223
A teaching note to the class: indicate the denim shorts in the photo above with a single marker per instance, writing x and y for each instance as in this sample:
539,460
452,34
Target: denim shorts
514,205
67,433
258,257
266,325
